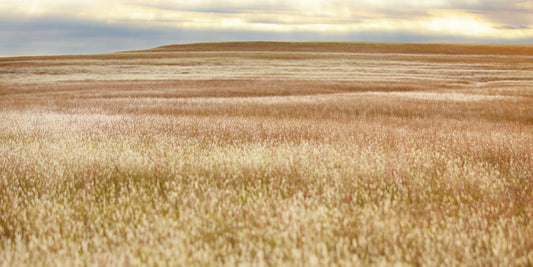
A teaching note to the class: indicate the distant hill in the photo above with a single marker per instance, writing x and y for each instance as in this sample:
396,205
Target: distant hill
315,47
352,47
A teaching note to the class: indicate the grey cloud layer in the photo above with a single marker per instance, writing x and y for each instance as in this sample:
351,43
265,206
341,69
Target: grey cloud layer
54,36
504,13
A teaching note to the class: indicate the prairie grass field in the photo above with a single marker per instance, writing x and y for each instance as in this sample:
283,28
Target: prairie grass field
298,154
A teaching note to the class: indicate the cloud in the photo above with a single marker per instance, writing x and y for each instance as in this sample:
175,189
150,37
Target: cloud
58,36
504,14
224,7
514,27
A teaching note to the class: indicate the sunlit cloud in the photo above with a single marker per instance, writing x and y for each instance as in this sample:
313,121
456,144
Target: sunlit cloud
293,15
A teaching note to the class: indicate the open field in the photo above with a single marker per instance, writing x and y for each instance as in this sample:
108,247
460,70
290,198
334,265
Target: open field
311,154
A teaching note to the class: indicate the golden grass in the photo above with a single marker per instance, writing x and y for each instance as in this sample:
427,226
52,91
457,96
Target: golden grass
355,47
414,163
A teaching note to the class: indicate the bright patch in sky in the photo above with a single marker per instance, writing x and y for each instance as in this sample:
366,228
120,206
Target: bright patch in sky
461,24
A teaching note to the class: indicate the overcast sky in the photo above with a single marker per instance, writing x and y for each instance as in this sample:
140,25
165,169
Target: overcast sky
32,27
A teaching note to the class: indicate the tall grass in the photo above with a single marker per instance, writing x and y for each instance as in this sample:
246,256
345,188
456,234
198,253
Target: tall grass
267,172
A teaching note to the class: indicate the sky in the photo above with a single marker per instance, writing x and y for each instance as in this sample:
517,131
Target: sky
42,27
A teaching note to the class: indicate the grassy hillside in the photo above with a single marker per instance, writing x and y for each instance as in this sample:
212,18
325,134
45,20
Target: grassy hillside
354,47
